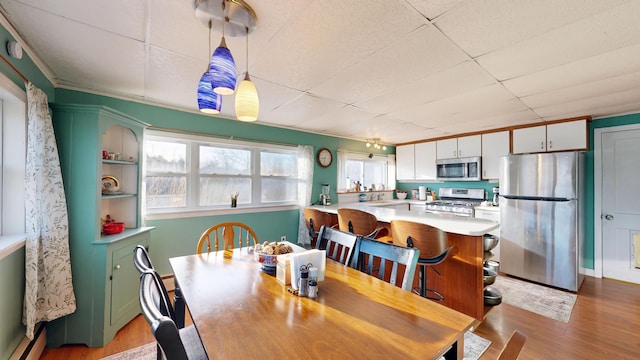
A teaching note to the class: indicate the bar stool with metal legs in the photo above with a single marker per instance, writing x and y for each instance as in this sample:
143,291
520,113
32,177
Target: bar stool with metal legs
432,243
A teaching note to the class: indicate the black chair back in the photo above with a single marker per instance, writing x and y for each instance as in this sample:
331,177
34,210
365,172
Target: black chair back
339,245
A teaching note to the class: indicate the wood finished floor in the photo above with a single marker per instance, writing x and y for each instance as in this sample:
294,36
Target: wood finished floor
605,324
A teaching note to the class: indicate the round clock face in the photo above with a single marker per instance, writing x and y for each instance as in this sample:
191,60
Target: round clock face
325,158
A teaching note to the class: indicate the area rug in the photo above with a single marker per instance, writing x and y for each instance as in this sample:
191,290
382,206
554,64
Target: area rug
546,301
144,352
474,346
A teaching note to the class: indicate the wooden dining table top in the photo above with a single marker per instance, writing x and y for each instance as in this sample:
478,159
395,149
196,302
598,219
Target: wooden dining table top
242,312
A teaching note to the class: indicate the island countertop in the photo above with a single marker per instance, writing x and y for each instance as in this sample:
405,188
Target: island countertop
449,223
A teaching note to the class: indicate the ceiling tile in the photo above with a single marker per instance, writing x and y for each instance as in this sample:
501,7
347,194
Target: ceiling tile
455,80
606,31
479,27
130,15
303,108
595,68
434,8
301,60
589,105
159,80
423,52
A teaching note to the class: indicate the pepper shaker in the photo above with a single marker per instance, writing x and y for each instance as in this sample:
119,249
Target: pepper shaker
313,283
303,287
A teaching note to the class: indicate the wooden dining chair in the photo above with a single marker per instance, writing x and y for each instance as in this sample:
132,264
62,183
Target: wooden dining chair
339,245
226,232
512,348
373,256
142,263
359,222
432,243
174,343
315,219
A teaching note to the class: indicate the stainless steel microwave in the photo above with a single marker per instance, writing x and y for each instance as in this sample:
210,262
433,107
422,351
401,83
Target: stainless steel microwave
459,169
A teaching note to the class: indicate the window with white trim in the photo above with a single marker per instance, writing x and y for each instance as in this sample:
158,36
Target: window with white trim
377,171
193,173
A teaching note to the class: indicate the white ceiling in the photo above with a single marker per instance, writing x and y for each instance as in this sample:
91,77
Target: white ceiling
400,70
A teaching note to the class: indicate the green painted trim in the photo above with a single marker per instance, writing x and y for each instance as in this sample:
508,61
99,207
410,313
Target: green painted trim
12,282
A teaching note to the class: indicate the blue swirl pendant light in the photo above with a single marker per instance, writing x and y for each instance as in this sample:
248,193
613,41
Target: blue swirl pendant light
208,101
223,67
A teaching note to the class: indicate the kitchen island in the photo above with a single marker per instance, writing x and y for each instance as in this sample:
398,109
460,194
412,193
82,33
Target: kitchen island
461,276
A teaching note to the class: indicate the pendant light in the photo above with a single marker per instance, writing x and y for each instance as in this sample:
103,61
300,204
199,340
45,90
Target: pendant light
247,102
208,101
222,66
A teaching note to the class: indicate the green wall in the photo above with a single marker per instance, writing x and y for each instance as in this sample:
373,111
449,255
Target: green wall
12,284
173,237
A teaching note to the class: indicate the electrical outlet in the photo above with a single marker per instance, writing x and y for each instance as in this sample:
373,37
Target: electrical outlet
283,238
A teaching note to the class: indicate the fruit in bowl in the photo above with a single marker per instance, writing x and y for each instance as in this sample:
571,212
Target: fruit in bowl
267,254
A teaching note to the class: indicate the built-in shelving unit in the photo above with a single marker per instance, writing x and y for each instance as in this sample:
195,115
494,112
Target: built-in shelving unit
104,278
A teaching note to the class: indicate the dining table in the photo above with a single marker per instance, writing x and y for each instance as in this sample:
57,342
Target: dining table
243,312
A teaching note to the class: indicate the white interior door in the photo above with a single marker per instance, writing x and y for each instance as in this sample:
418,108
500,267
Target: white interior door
620,199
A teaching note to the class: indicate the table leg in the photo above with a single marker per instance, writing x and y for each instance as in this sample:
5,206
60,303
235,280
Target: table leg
456,352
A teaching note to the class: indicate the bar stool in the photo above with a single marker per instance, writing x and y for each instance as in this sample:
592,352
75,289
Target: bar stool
360,223
316,219
432,243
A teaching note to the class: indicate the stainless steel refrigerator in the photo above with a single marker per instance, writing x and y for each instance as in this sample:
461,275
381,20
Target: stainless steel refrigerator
541,218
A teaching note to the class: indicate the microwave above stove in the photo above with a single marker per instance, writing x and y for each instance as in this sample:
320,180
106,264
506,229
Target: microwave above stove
459,169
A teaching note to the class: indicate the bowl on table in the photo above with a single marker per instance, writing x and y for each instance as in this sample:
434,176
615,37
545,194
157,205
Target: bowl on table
267,255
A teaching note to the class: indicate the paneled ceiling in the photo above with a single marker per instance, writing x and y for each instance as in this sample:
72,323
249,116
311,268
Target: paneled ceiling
399,70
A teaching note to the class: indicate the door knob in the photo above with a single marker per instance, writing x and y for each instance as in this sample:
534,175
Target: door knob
608,217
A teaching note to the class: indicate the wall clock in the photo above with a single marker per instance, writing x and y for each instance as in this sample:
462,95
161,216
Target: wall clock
325,157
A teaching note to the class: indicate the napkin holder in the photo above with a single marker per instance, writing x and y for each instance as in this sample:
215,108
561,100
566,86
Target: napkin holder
317,258
283,269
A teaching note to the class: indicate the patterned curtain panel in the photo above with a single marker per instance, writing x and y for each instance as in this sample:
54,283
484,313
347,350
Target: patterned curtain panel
48,290
305,183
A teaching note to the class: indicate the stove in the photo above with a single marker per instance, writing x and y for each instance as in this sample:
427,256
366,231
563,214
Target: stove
456,201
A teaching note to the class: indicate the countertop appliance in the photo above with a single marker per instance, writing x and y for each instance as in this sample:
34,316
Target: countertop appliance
456,201
496,196
541,218
325,198
459,169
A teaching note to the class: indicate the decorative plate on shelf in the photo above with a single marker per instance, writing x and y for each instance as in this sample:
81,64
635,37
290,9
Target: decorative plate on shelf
110,185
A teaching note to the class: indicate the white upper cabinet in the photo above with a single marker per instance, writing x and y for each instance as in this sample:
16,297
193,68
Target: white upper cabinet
425,160
567,136
494,146
571,135
466,146
405,167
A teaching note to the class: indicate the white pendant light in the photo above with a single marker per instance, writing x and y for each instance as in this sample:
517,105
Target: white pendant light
247,102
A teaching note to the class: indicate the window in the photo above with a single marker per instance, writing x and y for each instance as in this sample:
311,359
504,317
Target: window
187,173
375,170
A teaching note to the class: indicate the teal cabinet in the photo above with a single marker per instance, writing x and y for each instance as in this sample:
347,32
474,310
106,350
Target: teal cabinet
104,278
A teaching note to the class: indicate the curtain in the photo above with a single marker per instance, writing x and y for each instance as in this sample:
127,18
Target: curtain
305,185
342,170
48,289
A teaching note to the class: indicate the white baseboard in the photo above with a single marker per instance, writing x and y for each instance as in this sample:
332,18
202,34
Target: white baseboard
31,350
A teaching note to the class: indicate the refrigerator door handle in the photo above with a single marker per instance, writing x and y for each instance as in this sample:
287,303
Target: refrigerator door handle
534,198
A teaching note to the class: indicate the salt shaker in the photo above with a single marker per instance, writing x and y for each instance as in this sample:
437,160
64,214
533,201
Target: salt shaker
313,282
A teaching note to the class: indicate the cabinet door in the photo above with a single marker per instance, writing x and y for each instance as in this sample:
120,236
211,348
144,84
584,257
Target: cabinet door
570,135
469,146
425,160
405,168
494,146
447,149
124,281
530,140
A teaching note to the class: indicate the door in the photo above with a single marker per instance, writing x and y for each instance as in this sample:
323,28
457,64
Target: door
621,205
539,241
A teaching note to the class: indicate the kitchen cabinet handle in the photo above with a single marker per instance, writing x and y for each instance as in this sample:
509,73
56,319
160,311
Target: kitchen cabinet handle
550,144
541,145
608,217
118,267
